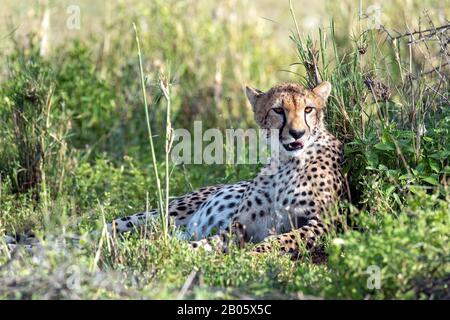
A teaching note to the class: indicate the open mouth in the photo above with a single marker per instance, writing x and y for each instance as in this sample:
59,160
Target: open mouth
296,145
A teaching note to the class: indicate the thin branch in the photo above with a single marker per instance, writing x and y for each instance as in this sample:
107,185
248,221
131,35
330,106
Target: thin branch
432,32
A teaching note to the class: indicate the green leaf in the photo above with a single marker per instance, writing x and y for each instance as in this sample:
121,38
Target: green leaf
434,165
372,159
431,180
416,189
389,190
420,168
435,155
384,146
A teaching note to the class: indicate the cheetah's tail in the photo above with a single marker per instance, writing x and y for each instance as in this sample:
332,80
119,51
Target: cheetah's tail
121,225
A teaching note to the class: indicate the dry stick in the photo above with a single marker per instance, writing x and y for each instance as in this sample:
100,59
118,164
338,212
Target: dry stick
150,136
164,86
433,31
428,55
48,104
187,284
437,31
430,35
410,43
435,69
418,134
412,114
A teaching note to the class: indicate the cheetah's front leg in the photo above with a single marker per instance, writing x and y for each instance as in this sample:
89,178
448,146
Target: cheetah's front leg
291,242
222,241
215,243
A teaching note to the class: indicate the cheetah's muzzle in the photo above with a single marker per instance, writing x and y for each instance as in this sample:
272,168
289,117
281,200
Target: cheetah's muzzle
296,145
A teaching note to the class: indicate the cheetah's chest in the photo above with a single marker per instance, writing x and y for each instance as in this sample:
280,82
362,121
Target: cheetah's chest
277,207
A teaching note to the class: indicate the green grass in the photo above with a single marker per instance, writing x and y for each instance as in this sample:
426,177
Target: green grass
75,151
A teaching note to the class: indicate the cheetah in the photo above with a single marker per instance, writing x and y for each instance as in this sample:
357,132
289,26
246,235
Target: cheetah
287,200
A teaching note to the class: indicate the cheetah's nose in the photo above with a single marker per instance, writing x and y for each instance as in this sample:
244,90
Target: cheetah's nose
297,134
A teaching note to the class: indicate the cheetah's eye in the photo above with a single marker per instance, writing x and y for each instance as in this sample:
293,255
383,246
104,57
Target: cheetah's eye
308,109
278,110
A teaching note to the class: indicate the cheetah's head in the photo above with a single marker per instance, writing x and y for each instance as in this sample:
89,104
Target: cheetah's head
295,111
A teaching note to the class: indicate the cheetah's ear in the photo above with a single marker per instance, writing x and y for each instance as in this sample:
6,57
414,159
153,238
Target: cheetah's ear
252,95
323,89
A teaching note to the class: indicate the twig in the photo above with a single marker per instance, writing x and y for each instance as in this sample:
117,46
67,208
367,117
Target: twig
433,31
187,284
436,69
